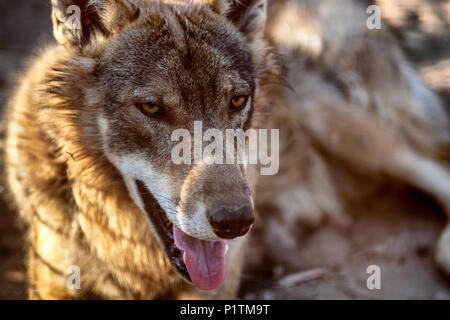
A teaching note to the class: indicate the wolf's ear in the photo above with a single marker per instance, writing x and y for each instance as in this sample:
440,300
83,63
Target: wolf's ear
249,16
74,21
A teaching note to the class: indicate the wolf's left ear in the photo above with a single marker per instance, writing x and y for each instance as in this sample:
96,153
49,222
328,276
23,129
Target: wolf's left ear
249,16
74,21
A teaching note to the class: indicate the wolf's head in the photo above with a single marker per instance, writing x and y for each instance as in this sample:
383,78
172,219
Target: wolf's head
158,66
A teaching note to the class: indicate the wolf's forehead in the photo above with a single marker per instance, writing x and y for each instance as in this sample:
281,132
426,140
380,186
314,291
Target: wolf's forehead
178,52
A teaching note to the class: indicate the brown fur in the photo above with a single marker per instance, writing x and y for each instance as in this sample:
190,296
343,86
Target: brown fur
48,183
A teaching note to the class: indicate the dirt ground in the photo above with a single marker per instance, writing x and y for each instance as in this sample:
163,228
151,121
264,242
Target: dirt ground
401,244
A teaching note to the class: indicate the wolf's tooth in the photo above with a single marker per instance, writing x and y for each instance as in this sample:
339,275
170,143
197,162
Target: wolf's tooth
184,257
226,248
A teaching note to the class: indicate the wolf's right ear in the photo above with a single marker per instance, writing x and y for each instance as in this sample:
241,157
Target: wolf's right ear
74,21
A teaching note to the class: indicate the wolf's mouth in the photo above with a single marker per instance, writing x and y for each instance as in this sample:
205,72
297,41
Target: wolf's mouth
199,261
164,229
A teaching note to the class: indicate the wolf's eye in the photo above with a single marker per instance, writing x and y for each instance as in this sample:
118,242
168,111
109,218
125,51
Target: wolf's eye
148,108
238,102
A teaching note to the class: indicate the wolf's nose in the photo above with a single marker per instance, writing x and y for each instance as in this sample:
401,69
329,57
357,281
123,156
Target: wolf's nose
229,223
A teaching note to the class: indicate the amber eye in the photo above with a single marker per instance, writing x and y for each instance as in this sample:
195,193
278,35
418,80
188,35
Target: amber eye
148,108
238,102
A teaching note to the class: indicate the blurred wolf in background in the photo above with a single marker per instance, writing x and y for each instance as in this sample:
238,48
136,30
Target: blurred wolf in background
88,143
356,116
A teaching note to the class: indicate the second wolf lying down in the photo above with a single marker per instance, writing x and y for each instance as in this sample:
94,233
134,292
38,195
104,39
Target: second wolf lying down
361,117
88,145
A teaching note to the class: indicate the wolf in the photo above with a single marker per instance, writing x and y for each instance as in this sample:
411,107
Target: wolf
88,147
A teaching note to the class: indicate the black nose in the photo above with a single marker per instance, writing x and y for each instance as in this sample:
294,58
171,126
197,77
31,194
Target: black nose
229,222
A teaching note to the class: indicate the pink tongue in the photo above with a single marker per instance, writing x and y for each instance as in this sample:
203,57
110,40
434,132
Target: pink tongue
205,260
